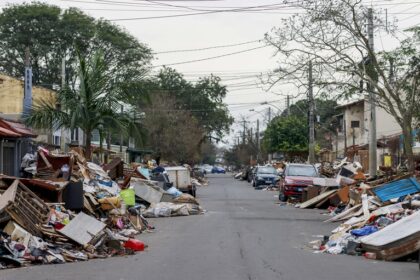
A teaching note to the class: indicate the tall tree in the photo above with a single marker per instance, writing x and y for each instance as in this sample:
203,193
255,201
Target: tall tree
331,34
53,34
325,123
286,134
204,99
173,134
91,106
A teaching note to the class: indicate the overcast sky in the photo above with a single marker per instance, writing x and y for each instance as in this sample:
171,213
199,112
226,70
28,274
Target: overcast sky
240,71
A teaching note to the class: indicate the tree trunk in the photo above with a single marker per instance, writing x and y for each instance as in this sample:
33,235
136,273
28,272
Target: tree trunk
108,146
88,140
101,145
408,146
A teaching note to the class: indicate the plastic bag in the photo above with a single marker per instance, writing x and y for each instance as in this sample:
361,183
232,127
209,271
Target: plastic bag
364,231
129,196
174,192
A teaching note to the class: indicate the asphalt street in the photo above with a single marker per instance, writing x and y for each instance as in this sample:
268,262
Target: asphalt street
245,235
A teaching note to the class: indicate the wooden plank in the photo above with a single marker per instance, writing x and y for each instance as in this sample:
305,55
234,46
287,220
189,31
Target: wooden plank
317,199
44,158
345,214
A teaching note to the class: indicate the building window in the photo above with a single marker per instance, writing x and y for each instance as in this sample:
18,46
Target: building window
340,123
75,134
355,124
57,140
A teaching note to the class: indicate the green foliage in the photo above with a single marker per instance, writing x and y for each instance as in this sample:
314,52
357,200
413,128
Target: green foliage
208,153
325,109
204,99
174,135
52,34
92,106
286,134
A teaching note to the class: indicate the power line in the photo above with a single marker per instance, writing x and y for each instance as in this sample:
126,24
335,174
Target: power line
199,13
209,58
208,48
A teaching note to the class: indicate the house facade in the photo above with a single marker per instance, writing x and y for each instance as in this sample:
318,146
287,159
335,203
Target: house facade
11,108
352,138
15,142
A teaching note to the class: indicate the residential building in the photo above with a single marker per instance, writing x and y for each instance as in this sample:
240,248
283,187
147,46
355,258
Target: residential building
15,142
352,139
11,102
11,108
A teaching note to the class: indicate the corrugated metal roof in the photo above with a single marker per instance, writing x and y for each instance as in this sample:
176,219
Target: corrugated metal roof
4,132
397,189
15,129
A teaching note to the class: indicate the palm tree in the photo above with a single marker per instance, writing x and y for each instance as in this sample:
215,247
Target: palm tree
92,106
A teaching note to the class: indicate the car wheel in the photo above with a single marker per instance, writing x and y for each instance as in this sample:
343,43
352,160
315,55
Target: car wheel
282,197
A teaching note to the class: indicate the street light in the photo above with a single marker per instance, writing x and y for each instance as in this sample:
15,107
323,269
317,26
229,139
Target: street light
259,112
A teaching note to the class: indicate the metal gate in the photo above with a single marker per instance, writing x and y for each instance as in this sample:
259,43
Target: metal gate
9,161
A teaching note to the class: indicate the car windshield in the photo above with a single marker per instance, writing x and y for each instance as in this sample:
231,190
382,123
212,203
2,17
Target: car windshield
305,171
267,170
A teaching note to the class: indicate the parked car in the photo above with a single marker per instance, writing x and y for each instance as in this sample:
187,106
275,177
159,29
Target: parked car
295,179
265,176
208,168
218,170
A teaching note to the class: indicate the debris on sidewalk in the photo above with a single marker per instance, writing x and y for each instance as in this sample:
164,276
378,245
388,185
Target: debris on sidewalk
76,210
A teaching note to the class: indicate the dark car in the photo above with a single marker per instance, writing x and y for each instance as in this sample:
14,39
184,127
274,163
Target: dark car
251,174
265,176
218,170
295,179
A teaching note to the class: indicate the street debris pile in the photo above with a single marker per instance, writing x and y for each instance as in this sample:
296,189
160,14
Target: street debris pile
379,218
75,210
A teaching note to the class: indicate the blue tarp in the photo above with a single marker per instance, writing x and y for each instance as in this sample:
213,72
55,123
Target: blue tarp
397,189
364,231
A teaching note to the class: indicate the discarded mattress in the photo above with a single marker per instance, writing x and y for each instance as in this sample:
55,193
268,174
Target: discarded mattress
396,240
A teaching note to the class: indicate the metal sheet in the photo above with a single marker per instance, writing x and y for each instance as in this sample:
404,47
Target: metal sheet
82,228
151,194
180,176
397,189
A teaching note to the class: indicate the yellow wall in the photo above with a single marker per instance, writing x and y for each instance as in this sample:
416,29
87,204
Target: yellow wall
11,95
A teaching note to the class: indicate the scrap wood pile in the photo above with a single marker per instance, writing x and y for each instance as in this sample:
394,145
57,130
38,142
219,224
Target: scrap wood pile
74,210
379,219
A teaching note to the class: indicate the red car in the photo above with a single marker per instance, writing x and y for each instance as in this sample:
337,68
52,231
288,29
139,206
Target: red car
295,179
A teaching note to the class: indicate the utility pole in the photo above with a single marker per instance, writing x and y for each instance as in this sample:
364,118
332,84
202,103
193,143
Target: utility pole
121,136
251,135
258,140
311,117
63,85
243,134
288,105
345,135
372,101
27,98
270,156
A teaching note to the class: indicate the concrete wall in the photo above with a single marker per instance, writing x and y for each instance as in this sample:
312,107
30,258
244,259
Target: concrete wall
353,113
385,125
11,95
